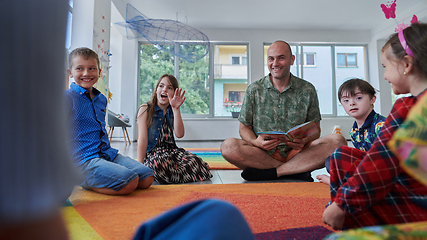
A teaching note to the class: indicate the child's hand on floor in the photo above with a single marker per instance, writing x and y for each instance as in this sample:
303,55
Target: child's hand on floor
334,216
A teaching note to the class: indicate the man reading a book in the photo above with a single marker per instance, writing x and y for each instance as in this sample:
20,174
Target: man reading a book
279,102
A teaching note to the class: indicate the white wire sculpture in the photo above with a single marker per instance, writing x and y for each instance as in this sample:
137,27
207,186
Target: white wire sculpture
171,36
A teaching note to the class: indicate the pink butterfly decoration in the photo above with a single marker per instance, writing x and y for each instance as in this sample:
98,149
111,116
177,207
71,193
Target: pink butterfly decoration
414,19
389,9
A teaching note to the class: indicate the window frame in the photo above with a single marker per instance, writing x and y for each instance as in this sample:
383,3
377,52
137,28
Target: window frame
305,60
211,86
346,61
240,56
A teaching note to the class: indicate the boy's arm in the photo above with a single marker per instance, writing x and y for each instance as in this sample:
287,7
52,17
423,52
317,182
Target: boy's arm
142,133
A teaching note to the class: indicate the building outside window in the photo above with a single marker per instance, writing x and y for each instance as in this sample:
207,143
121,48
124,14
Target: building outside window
230,78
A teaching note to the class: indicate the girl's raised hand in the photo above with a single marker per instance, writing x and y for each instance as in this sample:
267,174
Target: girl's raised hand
178,98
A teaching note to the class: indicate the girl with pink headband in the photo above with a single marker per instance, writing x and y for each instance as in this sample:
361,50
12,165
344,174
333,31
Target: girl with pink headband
370,188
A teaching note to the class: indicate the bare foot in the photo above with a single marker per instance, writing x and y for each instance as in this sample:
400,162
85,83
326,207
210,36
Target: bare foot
324,179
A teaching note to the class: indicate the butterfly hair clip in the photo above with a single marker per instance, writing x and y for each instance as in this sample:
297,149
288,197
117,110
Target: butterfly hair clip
402,25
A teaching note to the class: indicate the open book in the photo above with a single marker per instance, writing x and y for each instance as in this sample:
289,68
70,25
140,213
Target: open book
301,131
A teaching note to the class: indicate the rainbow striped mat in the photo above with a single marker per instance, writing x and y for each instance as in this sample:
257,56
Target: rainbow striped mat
213,157
272,210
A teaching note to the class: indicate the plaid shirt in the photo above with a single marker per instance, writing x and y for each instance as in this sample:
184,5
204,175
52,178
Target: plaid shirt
266,109
371,187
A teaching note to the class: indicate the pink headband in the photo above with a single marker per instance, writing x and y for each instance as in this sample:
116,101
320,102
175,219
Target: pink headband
404,45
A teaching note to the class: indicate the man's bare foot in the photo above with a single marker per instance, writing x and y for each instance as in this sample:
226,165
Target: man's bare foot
324,179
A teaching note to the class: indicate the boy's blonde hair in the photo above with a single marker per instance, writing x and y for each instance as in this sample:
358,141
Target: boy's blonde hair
84,52
351,85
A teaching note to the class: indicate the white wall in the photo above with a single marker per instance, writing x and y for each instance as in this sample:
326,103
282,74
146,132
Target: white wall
123,73
218,129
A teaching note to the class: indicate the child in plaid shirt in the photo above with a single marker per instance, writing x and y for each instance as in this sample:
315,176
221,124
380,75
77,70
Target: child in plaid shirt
370,188
357,97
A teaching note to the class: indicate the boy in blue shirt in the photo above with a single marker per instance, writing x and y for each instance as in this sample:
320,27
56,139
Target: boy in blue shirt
357,97
105,171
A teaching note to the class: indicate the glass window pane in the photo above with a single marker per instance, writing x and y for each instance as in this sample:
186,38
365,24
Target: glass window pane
153,64
244,60
235,60
309,59
343,74
321,76
230,80
351,60
68,33
341,60
194,79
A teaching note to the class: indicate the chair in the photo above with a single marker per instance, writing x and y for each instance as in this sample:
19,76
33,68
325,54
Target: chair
114,121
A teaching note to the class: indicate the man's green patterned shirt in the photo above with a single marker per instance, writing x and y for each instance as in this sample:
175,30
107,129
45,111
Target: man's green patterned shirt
266,109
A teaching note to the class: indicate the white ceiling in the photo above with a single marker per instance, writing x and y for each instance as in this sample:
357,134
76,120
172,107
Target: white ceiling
278,14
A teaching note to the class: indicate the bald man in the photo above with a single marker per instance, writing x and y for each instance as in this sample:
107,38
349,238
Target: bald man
279,102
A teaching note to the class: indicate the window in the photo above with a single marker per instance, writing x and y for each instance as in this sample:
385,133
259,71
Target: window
236,96
321,67
207,95
347,59
69,27
309,59
230,80
68,38
192,77
352,55
239,60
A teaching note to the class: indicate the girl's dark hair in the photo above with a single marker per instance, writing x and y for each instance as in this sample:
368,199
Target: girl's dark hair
153,102
351,85
416,38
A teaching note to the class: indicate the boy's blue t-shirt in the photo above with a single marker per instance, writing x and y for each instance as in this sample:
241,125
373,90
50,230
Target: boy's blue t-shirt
364,137
86,118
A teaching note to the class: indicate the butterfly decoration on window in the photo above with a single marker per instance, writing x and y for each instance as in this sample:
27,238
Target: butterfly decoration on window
389,9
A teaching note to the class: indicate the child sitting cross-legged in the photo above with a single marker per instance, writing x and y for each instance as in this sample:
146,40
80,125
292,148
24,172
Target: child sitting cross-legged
357,97
158,121
371,188
104,169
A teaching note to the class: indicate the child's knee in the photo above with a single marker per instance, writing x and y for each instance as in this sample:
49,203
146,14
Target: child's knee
130,187
146,183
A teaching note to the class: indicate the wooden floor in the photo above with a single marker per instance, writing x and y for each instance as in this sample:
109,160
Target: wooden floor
219,176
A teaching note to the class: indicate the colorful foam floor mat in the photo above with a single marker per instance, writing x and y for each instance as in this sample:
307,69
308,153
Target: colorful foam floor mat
273,210
213,157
